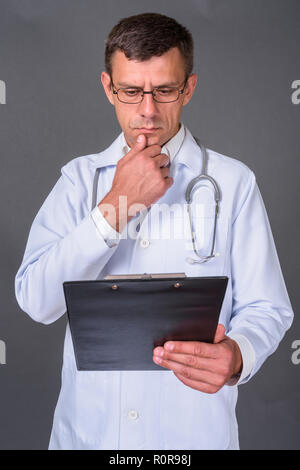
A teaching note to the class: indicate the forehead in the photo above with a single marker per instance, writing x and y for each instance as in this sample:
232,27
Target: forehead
168,67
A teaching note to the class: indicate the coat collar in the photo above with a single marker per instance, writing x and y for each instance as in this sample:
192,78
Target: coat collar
189,154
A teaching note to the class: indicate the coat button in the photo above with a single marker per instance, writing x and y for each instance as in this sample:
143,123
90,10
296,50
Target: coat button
144,243
133,414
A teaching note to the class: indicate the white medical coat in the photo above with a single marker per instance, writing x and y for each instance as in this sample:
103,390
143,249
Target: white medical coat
153,409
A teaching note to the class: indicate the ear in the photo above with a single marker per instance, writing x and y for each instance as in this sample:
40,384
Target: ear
106,82
189,88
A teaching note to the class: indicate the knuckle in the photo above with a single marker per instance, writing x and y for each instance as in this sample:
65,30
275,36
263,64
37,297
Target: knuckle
225,354
197,349
151,164
143,156
228,358
164,182
191,360
153,151
164,173
186,372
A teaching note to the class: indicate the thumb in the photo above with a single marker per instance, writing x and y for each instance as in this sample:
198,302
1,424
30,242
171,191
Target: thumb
220,333
141,143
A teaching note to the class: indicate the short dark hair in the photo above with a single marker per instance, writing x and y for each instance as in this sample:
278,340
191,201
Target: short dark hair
143,36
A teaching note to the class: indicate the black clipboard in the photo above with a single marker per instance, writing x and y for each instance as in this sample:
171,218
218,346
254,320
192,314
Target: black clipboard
115,323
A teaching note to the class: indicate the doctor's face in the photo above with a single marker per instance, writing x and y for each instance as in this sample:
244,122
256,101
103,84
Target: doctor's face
158,121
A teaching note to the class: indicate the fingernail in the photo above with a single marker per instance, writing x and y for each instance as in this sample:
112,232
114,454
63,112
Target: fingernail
157,359
169,346
159,352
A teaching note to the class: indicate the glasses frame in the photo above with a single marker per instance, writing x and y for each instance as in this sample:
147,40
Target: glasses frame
180,92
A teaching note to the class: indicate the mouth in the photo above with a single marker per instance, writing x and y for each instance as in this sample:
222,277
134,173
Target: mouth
147,130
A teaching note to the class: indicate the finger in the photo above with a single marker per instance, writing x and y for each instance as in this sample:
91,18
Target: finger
208,377
152,151
169,181
197,385
162,160
165,172
220,333
186,359
141,144
196,348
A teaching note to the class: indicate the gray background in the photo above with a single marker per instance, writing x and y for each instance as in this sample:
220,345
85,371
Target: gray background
51,57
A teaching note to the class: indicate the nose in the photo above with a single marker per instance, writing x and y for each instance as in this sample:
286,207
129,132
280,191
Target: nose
148,107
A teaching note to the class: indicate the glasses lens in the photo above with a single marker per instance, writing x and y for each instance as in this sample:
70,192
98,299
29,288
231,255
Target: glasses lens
130,95
166,95
135,95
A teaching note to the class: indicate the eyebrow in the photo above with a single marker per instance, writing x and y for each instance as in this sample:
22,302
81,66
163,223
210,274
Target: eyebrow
128,85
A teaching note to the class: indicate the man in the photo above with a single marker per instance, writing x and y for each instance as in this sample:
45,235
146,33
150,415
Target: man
191,403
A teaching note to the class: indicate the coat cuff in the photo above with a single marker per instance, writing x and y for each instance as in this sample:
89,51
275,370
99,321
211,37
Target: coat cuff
248,356
104,229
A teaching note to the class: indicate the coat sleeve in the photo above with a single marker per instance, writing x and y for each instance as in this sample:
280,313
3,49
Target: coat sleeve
261,308
60,247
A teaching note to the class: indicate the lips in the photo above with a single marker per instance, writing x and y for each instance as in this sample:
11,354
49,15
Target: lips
147,129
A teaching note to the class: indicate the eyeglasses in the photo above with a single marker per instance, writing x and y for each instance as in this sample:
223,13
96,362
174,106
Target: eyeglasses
135,95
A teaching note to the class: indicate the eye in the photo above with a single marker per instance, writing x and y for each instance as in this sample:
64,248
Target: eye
133,92
165,91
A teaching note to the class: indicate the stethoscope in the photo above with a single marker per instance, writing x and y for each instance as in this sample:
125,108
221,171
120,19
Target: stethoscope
188,196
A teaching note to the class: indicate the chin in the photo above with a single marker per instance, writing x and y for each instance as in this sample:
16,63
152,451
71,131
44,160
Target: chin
153,140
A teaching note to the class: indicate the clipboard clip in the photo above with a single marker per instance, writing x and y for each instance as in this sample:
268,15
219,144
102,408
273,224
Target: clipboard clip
117,277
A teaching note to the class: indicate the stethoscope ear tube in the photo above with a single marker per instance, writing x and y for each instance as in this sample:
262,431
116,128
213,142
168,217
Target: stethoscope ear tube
95,187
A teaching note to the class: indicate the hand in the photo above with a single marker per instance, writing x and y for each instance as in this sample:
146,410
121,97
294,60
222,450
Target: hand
141,177
202,366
